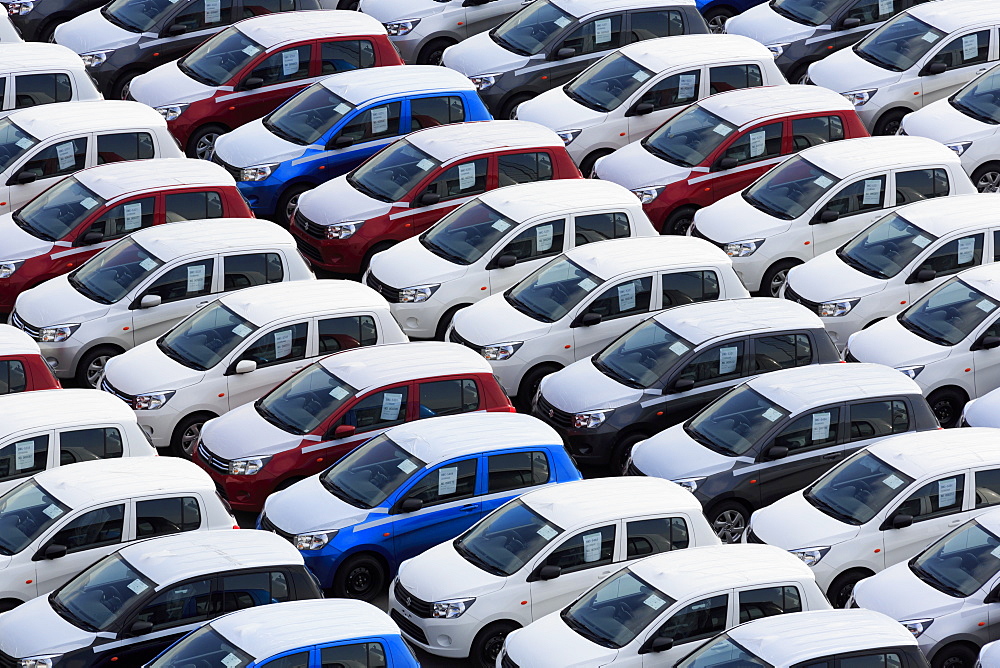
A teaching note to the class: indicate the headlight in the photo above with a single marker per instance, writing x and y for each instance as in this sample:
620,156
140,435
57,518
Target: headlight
648,194
917,626
95,59
20,8
313,541
9,267
247,466
258,173
57,333
483,81
152,401
959,147
690,484
837,309
39,661
591,419
860,98
811,556
568,136
172,111
776,49
343,230
451,609
743,248
500,351
398,28
910,371
417,294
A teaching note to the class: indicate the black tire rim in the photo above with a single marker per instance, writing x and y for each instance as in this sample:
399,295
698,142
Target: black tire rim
681,225
361,582
492,647
955,662
435,57
843,595
944,410
891,127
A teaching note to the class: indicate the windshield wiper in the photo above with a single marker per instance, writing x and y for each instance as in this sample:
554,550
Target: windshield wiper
576,97
830,510
704,440
507,45
525,309
615,375
367,190
587,632
64,612
274,419
663,155
284,134
476,560
781,11
923,333
24,225
119,22
441,252
861,266
177,357
200,78
969,111
85,291
757,204
6,551
933,581
341,493
874,60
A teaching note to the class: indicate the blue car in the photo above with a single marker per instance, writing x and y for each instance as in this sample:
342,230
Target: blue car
717,12
410,488
334,125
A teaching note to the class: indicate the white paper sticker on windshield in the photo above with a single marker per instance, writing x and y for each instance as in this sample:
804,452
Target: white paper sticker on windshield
230,660
986,306
678,348
946,492
53,511
893,482
466,175
921,241
138,586
338,393
425,164
543,238
873,192
727,360
447,480
289,62
241,330
626,297
282,343
970,47
251,50
390,406
196,278
23,142
823,181
24,457
587,284
591,547
685,87
88,202
966,250
380,120
821,426
721,129
406,466
640,76
996,552
654,601
547,532
885,7
771,414
342,109
929,37
64,152
133,216
602,31
213,11
148,263
562,21
501,226
757,143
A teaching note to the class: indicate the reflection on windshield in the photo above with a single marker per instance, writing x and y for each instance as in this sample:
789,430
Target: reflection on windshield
606,84
528,31
734,422
723,652
305,401
205,337
25,512
467,233
506,540
13,143
980,99
809,12
58,210
308,116
857,489
948,314
960,563
552,291
885,248
642,355
218,59
899,44
204,647
689,137
371,472
392,172
790,189
137,15
94,598
615,613
110,275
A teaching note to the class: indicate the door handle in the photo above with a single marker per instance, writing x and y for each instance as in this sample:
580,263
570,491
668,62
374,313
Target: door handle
201,304
981,71
954,523
469,508
833,455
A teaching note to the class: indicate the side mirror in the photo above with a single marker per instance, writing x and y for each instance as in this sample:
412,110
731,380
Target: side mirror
641,109
245,366
177,29
141,628
411,505
993,596
506,261
850,24
344,430
426,199
341,142
150,301
564,53
548,572
90,238
682,385
726,163
777,452
934,68
54,551
989,343
902,521
588,320
659,644
251,83
475,3
23,178
922,276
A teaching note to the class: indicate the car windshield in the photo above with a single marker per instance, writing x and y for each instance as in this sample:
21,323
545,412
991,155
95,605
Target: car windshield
219,58
506,540
857,489
13,143
553,290
734,422
111,274
95,598
980,99
305,401
137,15
790,189
308,116
962,562
528,31
885,248
722,652
606,84
392,172
203,647
370,473
899,44
809,12
642,355
948,314
57,211
25,512
613,614
689,137
467,233
205,337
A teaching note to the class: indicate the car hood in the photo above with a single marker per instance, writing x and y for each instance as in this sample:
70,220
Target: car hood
768,26
984,411
421,576
18,244
826,277
326,512
351,203
20,635
632,166
393,10
888,342
733,219
242,432
899,593
145,369
536,645
582,387
493,320
845,71
479,54
672,454
409,263
92,32
55,302
253,144
944,123
165,85
554,109
792,523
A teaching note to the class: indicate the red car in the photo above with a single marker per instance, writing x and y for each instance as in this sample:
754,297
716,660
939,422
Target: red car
326,410
84,213
411,184
247,70
722,144
22,367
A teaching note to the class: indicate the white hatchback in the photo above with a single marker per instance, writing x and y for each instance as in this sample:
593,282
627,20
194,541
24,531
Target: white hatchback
33,74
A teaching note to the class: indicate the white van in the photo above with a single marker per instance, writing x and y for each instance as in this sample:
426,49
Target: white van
142,286
33,74
61,521
582,300
658,609
543,548
233,350
494,241
822,197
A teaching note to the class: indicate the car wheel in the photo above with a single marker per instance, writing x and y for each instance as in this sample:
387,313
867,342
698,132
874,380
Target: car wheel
955,656
587,166
488,643
843,586
201,145
890,123
120,89
8,604
433,53
378,248
729,520
679,222
716,19
529,386
362,577
48,32
92,364
775,277
947,405
349,5
445,322
509,109
288,202
987,178
799,75
623,452
186,435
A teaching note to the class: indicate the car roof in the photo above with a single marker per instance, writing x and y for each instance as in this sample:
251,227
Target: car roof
19,56
361,86
946,215
931,452
280,28
220,234
985,278
48,120
443,438
607,499
608,259
787,639
13,341
806,387
180,556
376,366
118,178
585,7
56,408
446,142
957,14
263,304
266,630
748,105
543,198
844,158
682,50
707,320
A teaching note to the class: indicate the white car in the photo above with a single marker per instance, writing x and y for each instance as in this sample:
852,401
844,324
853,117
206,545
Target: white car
235,349
8,33
61,521
584,299
989,655
982,412
922,55
34,74
894,262
948,341
883,505
535,554
820,198
142,286
629,93
494,241
660,608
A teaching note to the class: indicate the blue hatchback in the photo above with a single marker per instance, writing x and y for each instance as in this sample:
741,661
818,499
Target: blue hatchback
410,488
717,12
334,125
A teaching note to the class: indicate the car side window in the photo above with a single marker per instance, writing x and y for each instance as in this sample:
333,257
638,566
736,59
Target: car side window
161,517
515,470
686,287
936,498
187,281
63,158
450,482
353,331
815,430
659,23
524,168
12,377
816,130
374,123
3,90
286,65
768,601
964,51
448,397
184,604
921,184
31,90
125,218
286,344
862,196
82,445
346,54
258,7
97,528
248,590
784,351
468,178
297,660
715,365
996,245
600,227
733,77
955,256
624,299
124,146
987,488
874,11
542,240
193,206
598,35
697,621
245,271
24,457
587,549
663,534
360,655
428,112
871,660
757,144
673,91
875,419
379,410
200,14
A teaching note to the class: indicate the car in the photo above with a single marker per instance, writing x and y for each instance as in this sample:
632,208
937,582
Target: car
605,404
946,341
260,61
573,306
9,33
84,213
334,125
22,367
295,633
632,91
548,43
138,601
718,12
823,197
413,183
138,289
665,606
235,349
37,74
492,242
722,144
544,548
322,413
989,655
60,521
779,432
920,56
981,412
894,262
896,496
408,489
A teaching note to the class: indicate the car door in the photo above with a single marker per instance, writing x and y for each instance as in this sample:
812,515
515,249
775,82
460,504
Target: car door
589,41
965,55
121,146
936,507
714,370
281,73
43,166
31,90
858,205
435,110
450,187
113,223
871,421
596,226
528,167
279,352
666,95
14,377
815,130
23,455
755,150
363,133
531,248
197,20
688,627
369,415
510,474
182,289
944,258
621,306
986,361
584,558
89,444
166,515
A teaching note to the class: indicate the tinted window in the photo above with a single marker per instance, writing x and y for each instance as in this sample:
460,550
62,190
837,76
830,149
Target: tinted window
258,7
62,158
758,603
363,655
83,445
601,227
645,537
286,344
297,660
662,23
448,397
379,410
757,144
244,271
697,621
685,287
733,77
716,364
24,457
808,132
205,13
124,146
446,483
184,282
971,49
628,298
541,240
940,497
515,470
125,218
252,589
375,123
3,90
597,35
159,517
987,488
348,332
920,184
193,206
955,256
184,604
524,168
427,112
816,430
890,660
589,548
287,65
879,418
33,89
675,90
12,377
347,54
859,197
461,180
97,528
786,351
874,11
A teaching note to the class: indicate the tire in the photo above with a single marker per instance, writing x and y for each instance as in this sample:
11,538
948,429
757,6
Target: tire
716,18
679,221
445,322
529,386
488,643
876,320
775,277
361,577
955,656
201,144
286,483
349,5
8,604
587,166
728,520
843,586
987,178
91,366
623,451
510,106
433,52
288,201
889,123
947,404
799,75
48,31
119,90
377,248
186,434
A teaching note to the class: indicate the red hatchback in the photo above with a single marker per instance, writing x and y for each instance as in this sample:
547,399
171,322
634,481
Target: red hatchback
326,410
22,367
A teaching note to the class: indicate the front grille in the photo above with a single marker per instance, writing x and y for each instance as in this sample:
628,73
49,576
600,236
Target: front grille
506,661
309,227
19,322
553,415
7,661
632,469
408,627
850,358
791,295
213,461
235,172
310,252
415,605
390,293
754,538
268,525
455,337
111,389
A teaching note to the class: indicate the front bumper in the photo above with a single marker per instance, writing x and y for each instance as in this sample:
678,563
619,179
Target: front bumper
340,256
159,424
419,321
62,357
243,492
450,638
261,195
